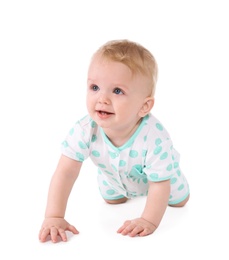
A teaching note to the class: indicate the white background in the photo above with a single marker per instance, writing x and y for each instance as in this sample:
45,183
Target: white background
45,47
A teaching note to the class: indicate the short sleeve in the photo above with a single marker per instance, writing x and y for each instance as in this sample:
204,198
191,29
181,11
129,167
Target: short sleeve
76,144
161,161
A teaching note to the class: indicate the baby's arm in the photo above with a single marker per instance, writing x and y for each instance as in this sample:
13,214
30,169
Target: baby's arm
61,185
156,204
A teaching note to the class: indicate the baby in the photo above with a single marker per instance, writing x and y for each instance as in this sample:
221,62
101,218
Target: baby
131,148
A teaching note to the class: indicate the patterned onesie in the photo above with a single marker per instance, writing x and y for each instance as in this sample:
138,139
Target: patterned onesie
125,171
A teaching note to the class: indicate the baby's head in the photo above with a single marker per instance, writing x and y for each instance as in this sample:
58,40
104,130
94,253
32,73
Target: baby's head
120,86
137,58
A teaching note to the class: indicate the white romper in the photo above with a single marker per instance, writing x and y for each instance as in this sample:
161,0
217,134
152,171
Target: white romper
125,171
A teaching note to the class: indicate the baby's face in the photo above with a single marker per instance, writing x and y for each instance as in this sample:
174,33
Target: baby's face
114,95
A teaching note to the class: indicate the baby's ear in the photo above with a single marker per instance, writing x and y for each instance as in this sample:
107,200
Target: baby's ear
147,106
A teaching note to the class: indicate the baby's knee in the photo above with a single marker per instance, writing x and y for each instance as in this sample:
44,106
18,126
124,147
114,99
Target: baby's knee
117,201
182,203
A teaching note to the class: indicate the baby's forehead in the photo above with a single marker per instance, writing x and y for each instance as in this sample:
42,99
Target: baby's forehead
99,59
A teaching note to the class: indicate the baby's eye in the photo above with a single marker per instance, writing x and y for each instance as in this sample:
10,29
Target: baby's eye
118,91
94,87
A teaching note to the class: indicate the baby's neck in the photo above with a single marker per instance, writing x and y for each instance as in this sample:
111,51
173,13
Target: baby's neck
119,137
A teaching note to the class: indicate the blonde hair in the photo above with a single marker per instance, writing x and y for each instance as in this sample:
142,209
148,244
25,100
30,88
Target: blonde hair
133,55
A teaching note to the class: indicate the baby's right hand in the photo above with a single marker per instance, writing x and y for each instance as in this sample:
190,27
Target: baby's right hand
55,227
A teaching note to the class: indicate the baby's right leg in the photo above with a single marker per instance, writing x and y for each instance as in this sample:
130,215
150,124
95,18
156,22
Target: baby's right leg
116,201
109,193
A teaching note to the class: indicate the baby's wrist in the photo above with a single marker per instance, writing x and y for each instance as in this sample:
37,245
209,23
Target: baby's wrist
151,222
53,216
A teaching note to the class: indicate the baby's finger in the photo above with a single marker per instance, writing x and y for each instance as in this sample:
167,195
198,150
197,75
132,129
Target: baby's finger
40,232
128,229
146,232
62,234
121,229
53,234
43,234
72,229
136,231
126,223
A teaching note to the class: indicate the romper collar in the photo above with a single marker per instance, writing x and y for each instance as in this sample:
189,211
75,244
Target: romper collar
131,139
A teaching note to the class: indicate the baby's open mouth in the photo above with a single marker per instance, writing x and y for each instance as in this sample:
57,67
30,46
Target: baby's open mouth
104,112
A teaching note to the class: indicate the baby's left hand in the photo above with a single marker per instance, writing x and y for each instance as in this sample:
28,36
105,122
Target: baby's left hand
138,226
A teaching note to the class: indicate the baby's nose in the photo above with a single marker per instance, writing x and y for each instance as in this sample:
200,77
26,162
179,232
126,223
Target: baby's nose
103,99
